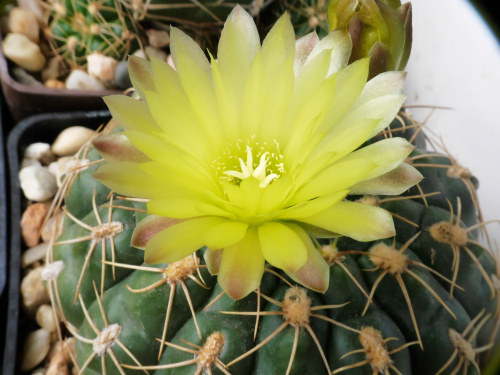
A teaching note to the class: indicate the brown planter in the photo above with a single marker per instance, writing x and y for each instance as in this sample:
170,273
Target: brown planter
24,100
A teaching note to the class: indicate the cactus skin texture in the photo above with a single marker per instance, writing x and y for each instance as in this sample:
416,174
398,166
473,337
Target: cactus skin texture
77,29
430,287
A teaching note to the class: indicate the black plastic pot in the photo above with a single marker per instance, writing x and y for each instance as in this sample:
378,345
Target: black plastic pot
3,224
39,128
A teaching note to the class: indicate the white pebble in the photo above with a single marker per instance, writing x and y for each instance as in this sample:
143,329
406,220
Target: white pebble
23,52
33,291
38,183
69,141
35,7
102,67
46,319
36,348
79,80
34,254
27,162
39,151
53,168
158,38
139,53
154,52
22,21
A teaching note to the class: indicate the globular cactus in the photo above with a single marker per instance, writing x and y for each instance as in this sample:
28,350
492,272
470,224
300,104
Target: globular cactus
77,29
367,299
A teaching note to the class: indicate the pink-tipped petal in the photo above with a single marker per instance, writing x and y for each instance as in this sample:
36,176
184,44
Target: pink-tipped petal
303,47
242,266
149,227
394,182
213,259
315,273
117,147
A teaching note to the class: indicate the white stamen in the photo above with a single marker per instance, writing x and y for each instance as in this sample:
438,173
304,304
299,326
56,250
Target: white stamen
268,180
260,171
249,159
247,167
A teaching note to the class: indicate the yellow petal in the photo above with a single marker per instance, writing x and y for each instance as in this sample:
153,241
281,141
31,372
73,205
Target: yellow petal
184,48
238,45
225,234
359,221
335,178
178,241
131,114
140,75
184,208
350,83
339,144
127,178
174,115
176,177
196,76
242,266
312,207
384,108
282,247
387,154
279,45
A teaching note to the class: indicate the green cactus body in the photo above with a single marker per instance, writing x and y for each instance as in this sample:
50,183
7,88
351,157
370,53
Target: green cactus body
77,29
430,288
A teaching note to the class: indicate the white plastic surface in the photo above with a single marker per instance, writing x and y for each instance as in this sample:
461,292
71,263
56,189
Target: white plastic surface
455,63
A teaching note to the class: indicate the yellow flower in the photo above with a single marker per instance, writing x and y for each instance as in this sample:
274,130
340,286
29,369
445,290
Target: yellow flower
254,153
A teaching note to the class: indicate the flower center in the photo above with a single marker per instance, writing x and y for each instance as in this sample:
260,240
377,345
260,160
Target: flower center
251,160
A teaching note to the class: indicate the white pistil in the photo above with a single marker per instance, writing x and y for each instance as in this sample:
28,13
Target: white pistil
259,173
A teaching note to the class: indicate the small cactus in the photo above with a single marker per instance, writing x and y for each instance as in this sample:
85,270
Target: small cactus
77,29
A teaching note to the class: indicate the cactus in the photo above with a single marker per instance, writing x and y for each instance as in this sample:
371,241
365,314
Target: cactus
423,301
76,29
